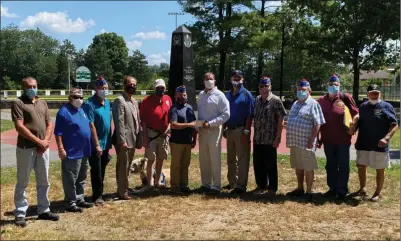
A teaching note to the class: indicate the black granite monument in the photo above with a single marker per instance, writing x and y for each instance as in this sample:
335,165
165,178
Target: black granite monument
182,65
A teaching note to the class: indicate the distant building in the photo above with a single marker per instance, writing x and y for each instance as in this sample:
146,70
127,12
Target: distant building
382,75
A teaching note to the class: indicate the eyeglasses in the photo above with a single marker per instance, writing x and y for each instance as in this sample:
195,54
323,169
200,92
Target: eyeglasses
263,86
77,97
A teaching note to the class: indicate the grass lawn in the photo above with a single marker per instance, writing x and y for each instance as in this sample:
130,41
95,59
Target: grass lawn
159,215
395,140
6,125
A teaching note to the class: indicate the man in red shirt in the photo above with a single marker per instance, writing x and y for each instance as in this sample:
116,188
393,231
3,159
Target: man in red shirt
154,116
336,138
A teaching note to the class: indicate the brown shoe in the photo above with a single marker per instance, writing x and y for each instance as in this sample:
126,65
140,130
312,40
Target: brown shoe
126,197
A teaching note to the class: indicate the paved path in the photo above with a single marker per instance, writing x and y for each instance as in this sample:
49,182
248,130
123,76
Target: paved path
9,140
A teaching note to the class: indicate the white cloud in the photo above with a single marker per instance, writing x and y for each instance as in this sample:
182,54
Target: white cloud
133,45
57,22
150,35
103,31
156,59
6,14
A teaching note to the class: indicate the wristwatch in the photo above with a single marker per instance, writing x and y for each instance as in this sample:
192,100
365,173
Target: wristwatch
246,132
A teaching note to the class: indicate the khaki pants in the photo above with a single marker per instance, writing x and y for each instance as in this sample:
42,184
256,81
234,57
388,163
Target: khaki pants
124,160
238,158
180,160
210,157
158,148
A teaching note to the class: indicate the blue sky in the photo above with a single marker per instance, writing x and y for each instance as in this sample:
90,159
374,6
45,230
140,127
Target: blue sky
145,25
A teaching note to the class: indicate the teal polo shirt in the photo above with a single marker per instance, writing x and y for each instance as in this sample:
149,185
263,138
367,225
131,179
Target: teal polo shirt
99,115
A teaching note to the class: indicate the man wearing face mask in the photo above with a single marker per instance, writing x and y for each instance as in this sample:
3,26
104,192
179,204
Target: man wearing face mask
126,136
377,124
214,111
97,108
73,137
303,126
154,117
268,122
33,124
336,138
237,132
182,140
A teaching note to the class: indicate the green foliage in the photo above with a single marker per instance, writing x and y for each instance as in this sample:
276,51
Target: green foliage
8,84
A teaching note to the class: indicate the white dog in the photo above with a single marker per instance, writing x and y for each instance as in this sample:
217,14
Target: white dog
138,166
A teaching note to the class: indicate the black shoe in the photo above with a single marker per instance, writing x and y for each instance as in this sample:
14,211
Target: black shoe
20,222
204,189
84,204
213,192
296,193
341,197
185,190
329,194
49,216
227,187
75,209
309,197
237,191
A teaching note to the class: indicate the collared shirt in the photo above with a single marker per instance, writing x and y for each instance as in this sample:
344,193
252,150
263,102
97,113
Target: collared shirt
374,123
265,119
154,112
334,132
302,118
241,107
181,114
73,125
213,107
34,115
100,116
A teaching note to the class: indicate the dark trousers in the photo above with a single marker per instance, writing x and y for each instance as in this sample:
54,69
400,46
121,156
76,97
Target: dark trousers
98,169
337,167
265,166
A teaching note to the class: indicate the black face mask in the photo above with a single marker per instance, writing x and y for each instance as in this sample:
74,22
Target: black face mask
130,89
159,92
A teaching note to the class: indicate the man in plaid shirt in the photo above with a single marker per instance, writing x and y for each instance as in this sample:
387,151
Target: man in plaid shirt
303,125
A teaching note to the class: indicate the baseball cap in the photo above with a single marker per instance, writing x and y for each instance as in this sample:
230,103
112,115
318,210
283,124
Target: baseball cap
160,82
334,78
374,88
303,83
237,72
265,81
76,91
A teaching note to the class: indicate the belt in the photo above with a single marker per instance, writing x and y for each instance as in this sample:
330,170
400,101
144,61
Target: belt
235,127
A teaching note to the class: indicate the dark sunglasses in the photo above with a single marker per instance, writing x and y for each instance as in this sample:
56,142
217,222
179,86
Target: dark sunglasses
77,97
263,86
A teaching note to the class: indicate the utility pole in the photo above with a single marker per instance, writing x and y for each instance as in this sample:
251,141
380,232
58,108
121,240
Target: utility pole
176,16
69,80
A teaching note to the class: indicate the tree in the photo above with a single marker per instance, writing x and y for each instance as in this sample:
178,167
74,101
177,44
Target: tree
66,53
108,55
138,67
350,27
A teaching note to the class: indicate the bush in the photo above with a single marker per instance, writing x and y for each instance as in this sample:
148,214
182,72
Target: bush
8,84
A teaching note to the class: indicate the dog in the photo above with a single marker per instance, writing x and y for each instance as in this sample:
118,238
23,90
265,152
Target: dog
138,166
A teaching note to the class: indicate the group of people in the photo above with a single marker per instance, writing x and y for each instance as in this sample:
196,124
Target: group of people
84,135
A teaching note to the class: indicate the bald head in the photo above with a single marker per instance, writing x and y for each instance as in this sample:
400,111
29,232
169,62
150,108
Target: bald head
29,83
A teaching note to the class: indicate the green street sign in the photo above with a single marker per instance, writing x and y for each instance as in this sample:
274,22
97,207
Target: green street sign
83,74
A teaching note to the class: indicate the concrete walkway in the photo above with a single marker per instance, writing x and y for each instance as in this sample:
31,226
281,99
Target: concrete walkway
9,140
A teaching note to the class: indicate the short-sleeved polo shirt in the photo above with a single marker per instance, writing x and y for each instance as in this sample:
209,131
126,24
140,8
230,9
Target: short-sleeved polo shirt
35,115
374,123
73,125
265,119
241,107
301,120
154,112
333,131
182,114
100,116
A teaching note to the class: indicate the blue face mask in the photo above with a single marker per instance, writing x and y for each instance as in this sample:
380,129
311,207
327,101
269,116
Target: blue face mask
333,89
302,94
31,93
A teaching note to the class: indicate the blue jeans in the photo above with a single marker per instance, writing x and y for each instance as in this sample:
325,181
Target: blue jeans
337,167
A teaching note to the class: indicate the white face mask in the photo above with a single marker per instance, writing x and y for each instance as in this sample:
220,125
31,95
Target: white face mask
77,102
209,84
102,94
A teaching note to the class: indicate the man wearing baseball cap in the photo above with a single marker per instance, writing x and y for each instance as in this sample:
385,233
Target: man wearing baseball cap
237,132
377,124
336,137
73,137
97,108
303,126
154,116
268,119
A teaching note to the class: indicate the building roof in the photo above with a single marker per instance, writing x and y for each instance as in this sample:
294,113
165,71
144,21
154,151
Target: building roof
379,74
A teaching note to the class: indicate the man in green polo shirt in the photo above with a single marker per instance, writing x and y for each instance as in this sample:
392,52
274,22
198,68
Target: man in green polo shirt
97,108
